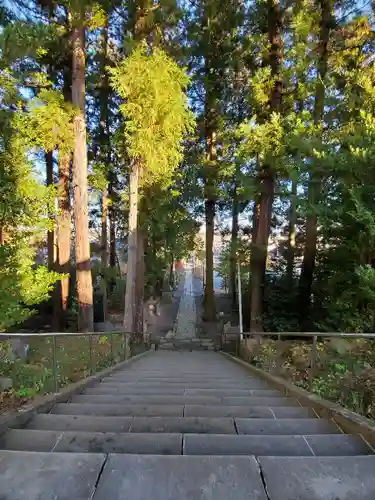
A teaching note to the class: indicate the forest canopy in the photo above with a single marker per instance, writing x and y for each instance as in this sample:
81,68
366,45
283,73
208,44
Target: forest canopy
126,125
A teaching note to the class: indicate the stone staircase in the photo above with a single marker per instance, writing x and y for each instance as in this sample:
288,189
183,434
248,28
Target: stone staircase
186,344
183,426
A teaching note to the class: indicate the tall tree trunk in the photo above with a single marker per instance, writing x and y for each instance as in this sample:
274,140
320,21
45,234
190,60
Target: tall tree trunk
80,187
233,250
140,285
209,194
63,221
131,273
266,177
209,302
104,141
309,255
104,228
112,223
292,234
51,233
171,271
63,239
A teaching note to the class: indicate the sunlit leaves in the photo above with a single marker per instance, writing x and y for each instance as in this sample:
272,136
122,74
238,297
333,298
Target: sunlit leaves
155,111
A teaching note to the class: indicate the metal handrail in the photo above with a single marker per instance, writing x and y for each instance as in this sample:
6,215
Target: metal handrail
55,335
311,334
241,342
62,334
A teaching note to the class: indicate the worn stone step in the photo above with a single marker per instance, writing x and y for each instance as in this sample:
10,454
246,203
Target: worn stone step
247,412
186,348
183,400
185,425
336,445
47,476
55,422
211,444
118,410
233,393
183,379
144,390
146,400
172,390
202,385
104,390
91,442
193,444
180,478
287,426
319,478
262,401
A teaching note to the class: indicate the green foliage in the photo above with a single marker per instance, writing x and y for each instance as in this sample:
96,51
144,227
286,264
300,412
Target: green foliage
24,205
47,123
155,111
343,372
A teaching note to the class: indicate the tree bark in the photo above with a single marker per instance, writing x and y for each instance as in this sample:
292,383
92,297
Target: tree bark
292,234
210,306
266,177
171,269
112,224
63,237
309,255
209,195
104,142
80,187
51,253
140,284
233,250
131,273
63,221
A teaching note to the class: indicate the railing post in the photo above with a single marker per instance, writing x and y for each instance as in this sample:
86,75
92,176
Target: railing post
313,360
278,355
90,354
54,365
126,347
111,346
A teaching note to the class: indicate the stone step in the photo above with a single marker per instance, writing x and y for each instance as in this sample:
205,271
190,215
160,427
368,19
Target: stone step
45,476
183,425
53,422
91,442
95,476
186,347
247,412
124,384
145,400
319,478
183,400
181,379
178,391
154,410
286,446
186,341
180,478
287,426
187,444
119,410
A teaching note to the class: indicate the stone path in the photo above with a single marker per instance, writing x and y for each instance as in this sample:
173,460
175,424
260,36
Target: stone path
183,426
187,314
